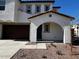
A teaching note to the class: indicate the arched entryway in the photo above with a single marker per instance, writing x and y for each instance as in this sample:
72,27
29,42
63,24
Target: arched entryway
50,31
59,24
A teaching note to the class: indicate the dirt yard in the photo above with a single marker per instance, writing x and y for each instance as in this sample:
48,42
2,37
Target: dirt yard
53,51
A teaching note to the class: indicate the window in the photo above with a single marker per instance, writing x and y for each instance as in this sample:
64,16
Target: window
28,9
38,9
2,4
47,7
46,27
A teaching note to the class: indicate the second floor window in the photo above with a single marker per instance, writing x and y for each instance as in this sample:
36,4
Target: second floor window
47,7
2,4
38,8
28,9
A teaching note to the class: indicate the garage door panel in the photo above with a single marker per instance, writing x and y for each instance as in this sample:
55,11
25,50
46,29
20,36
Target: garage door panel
16,31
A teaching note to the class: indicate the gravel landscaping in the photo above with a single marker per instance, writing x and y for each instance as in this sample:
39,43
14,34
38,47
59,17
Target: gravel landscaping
53,51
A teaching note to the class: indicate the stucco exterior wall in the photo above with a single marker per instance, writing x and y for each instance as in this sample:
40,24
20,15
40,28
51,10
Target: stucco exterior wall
61,20
37,21
33,5
33,34
67,34
20,10
13,14
22,17
55,33
8,13
16,9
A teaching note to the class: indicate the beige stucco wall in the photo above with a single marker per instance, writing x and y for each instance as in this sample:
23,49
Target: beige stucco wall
33,5
61,20
12,13
56,32
67,34
8,13
22,16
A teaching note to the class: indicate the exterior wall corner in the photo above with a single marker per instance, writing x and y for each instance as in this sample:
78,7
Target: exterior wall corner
67,35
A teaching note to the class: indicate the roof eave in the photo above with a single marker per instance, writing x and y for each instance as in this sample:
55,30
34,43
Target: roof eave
72,18
36,1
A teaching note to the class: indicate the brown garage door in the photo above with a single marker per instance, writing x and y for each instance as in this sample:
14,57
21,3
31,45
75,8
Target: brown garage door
15,31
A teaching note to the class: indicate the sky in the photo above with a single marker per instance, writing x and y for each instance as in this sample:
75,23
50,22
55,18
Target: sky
69,7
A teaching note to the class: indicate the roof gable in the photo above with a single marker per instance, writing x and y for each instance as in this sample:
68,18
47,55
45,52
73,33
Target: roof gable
52,12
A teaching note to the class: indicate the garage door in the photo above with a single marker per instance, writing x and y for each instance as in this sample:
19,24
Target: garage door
15,32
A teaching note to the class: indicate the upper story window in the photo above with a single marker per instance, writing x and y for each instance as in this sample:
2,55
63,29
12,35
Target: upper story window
47,7
2,4
38,8
29,9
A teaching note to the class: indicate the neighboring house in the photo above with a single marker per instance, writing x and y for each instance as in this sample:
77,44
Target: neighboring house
76,30
33,20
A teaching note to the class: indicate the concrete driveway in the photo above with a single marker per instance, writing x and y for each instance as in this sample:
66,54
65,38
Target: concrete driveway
9,47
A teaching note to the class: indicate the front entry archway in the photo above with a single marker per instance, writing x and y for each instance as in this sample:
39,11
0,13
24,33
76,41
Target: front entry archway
50,31
61,27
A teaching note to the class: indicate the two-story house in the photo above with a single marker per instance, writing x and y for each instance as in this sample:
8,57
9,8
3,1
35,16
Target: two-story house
33,20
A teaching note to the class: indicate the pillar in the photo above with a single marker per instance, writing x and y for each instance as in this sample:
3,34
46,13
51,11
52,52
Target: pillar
67,34
42,8
33,9
51,6
33,32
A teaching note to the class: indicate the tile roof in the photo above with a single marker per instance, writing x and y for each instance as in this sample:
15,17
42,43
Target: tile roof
72,18
34,1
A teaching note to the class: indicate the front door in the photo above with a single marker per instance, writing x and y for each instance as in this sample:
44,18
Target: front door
39,33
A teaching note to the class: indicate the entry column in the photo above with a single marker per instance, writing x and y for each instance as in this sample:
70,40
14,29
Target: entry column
67,34
33,32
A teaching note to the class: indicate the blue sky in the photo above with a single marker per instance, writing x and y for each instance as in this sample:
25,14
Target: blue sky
69,7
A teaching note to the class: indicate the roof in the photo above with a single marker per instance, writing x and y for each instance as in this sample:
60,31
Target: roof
35,1
52,12
56,7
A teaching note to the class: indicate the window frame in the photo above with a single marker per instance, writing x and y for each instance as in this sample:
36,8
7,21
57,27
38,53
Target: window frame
47,7
38,8
2,5
29,9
